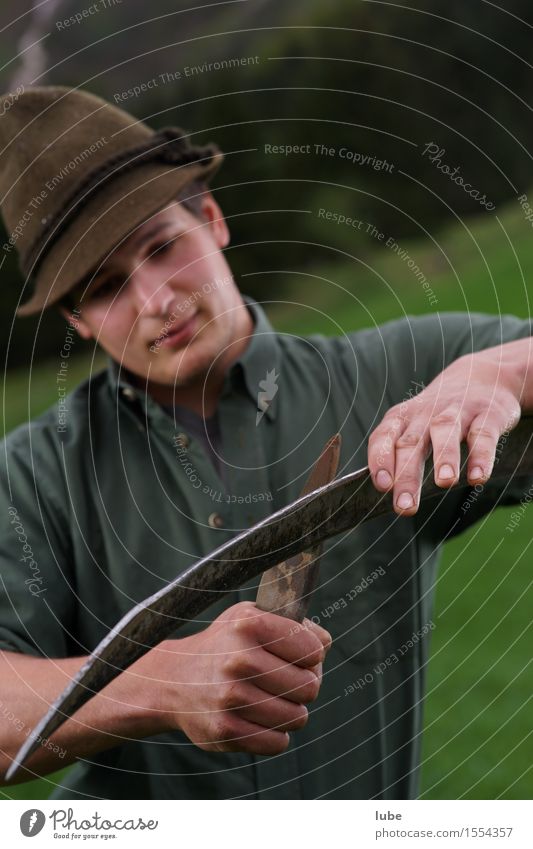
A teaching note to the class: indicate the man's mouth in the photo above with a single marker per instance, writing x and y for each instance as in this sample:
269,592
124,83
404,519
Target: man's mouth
177,334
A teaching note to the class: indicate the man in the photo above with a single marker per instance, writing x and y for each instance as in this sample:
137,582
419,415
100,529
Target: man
204,422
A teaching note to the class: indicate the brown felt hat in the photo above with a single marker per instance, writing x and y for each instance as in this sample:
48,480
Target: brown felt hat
77,175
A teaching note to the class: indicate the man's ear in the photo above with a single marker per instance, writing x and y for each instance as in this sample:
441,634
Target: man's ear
75,320
215,217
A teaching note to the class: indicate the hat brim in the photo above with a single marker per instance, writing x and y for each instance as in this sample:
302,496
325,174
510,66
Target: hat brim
105,220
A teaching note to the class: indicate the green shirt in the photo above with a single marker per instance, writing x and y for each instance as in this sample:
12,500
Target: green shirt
118,499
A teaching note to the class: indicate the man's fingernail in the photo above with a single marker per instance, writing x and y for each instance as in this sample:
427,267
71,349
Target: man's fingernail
405,501
446,472
383,478
477,473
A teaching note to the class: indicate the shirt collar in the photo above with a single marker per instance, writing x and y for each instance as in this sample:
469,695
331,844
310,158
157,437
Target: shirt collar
259,364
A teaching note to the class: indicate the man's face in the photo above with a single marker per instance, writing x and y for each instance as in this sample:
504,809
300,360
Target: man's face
164,303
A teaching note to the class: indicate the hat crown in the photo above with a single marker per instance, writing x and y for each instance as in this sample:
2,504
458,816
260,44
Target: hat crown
50,137
67,153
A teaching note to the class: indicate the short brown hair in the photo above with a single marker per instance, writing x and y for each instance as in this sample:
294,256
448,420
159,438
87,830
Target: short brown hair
191,196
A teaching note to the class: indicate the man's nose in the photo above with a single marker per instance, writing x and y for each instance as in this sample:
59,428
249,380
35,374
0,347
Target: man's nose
152,293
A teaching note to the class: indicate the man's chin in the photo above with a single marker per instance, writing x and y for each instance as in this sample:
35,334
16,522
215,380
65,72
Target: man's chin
182,370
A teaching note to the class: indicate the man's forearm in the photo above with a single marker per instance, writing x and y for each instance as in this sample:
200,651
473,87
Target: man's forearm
241,684
123,711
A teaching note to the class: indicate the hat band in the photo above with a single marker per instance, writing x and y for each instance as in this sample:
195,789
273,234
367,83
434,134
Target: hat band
167,145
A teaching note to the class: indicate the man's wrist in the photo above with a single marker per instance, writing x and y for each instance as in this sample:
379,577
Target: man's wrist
140,693
517,365
150,686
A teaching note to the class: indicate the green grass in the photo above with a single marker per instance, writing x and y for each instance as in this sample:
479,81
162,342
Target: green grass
27,394
484,266
477,740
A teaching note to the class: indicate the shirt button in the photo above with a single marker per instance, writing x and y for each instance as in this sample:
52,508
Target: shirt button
128,393
215,520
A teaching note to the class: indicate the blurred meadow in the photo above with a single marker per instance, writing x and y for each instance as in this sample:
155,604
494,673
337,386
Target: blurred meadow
383,81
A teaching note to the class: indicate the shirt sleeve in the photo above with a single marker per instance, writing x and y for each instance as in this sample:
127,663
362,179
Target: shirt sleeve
399,359
36,591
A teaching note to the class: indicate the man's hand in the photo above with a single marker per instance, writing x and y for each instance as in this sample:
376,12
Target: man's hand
242,684
476,399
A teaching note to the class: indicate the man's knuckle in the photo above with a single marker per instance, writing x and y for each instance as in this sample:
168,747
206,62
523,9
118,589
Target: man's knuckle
300,719
312,656
407,481
241,626
248,666
447,418
311,689
393,412
279,745
395,424
229,666
376,437
483,432
231,696
218,730
314,691
225,728
208,746
410,439
484,455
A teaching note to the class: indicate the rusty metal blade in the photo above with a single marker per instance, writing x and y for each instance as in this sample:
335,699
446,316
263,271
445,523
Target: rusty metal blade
286,588
342,504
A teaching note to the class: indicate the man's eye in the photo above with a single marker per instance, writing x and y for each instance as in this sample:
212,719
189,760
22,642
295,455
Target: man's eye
162,247
108,287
